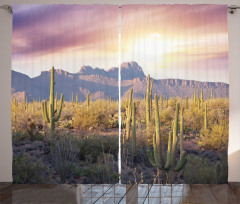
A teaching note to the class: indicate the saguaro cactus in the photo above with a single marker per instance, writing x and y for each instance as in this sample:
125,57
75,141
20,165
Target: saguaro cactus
202,96
148,102
88,101
186,102
171,164
205,118
76,99
211,93
157,125
198,103
134,129
50,117
161,101
33,107
151,97
56,100
72,99
195,95
181,135
129,115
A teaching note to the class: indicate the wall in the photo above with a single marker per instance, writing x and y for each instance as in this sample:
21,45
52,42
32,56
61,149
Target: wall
5,76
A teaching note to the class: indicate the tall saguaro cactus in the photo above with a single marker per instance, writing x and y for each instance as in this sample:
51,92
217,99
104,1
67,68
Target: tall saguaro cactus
205,118
186,102
201,97
129,115
157,125
148,102
171,164
198,103
88,101
181,134
33,107
134,129
151,97
195,95
49,116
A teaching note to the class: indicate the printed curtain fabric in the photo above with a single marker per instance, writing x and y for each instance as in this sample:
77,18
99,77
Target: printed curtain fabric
172,99
175,102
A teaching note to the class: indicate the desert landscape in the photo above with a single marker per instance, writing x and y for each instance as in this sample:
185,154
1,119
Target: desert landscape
65,127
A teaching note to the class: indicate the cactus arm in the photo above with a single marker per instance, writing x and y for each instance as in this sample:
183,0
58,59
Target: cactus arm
167,165
51,113
181,136
60,109
150,157
156,156
175,134
182,162
52,119
44,111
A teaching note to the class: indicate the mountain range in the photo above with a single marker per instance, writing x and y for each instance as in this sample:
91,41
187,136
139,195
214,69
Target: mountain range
104,83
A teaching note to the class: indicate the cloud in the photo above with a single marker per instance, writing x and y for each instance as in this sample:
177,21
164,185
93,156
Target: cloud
48,29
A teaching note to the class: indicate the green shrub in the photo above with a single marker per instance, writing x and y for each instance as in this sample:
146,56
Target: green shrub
93,145
198,170
64,154
103,171
28,169
100,115
18,136
216,137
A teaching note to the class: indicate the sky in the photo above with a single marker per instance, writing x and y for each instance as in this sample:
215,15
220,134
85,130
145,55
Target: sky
167,41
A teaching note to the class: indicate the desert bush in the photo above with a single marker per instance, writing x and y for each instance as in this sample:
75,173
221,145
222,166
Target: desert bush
224,168
198,170
64,154
194,118
216,137
93,145
100,115
103,171
166,116
18,136
28,169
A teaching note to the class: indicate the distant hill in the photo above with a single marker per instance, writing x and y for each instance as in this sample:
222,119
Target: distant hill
103,84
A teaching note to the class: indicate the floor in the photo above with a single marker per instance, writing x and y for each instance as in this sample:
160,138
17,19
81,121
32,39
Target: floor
107,193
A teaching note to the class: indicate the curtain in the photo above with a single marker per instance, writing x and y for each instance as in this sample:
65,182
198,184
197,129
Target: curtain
65,93
174,93
171,103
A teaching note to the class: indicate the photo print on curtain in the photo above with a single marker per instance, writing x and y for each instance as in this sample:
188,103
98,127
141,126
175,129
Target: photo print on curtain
65,93
174,94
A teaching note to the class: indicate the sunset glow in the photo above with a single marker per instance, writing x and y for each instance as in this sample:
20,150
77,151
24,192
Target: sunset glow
167,41
177,41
